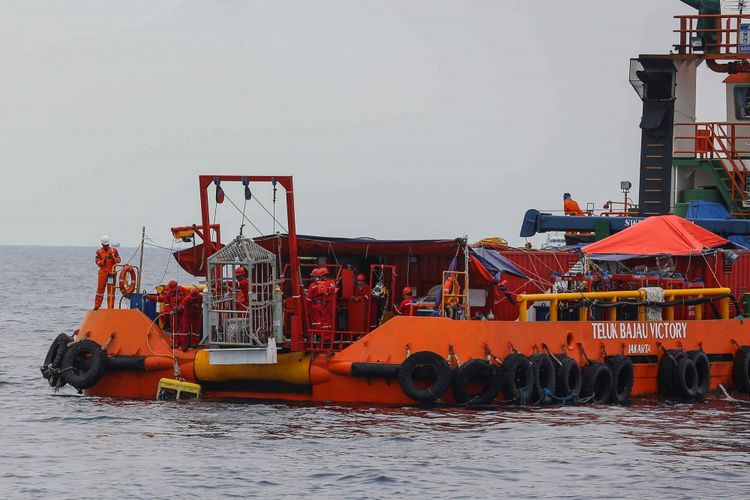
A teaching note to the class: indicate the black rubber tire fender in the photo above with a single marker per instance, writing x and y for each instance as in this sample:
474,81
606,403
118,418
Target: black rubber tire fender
623,377
84,364
703,367
516,378
567,377
425,365
741,369
543,372
53,360
685,378
665,374
470,372
56,351
596,383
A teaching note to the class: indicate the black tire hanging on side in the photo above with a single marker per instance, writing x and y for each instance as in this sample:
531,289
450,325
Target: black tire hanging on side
623,377
516,378
741,369
665,374
58,346
567,377
596,383
425,365
53,360
475,370
543,373
703,367
84,364
685,378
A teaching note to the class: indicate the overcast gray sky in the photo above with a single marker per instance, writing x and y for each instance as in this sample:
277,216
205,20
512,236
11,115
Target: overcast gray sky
410,119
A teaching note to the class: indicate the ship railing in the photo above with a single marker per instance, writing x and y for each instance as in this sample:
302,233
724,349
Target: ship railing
718,141
584,301
722,39
619,209
115,282
329,340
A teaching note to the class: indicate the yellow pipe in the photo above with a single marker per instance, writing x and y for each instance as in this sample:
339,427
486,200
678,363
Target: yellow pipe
612,310
724,308
553,309
625,294
668,312
583,313
554,298
699,310
293,368
690,292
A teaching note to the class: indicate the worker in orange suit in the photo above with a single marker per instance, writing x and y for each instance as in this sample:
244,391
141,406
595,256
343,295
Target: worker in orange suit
175,294
191,320
328,289
571,206
171,298
452,299
317,302
360,305
106,258
322,294
242,295
406,299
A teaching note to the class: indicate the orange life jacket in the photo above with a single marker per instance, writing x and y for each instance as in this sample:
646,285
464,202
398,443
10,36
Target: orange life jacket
106,264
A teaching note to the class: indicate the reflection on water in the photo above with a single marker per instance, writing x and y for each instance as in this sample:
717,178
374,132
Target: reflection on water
65,445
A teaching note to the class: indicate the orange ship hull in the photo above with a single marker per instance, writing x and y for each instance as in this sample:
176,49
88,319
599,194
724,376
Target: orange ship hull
331,378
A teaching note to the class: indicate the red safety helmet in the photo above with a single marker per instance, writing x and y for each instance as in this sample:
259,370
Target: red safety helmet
172,285
406,291
323,271
195,292
315,272
361,277
241,271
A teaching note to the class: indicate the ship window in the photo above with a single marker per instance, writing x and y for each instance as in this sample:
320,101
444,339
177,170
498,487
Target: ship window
742,103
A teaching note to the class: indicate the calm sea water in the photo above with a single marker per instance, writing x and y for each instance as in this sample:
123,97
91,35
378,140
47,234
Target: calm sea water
64,445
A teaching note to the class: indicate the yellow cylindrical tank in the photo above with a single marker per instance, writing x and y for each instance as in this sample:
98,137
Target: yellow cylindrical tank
292,367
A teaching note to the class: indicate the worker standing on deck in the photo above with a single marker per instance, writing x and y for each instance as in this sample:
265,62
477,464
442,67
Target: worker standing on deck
106,258
327,290
175,294
359,307
191,320
317,301
406,299
171,298
571,206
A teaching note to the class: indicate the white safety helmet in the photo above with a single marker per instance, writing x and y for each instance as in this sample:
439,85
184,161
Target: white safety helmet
105,240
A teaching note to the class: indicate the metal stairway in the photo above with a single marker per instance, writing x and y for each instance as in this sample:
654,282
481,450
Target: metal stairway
716,142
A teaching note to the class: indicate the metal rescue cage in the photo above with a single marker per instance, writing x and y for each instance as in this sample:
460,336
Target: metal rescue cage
230,320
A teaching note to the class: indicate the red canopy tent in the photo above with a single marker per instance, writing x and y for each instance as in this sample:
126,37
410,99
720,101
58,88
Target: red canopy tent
666,234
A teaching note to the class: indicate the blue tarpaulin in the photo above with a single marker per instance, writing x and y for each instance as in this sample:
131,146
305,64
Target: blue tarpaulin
740,240
702,209
496,263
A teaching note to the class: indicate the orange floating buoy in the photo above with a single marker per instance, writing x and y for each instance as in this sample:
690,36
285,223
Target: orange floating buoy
127,280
